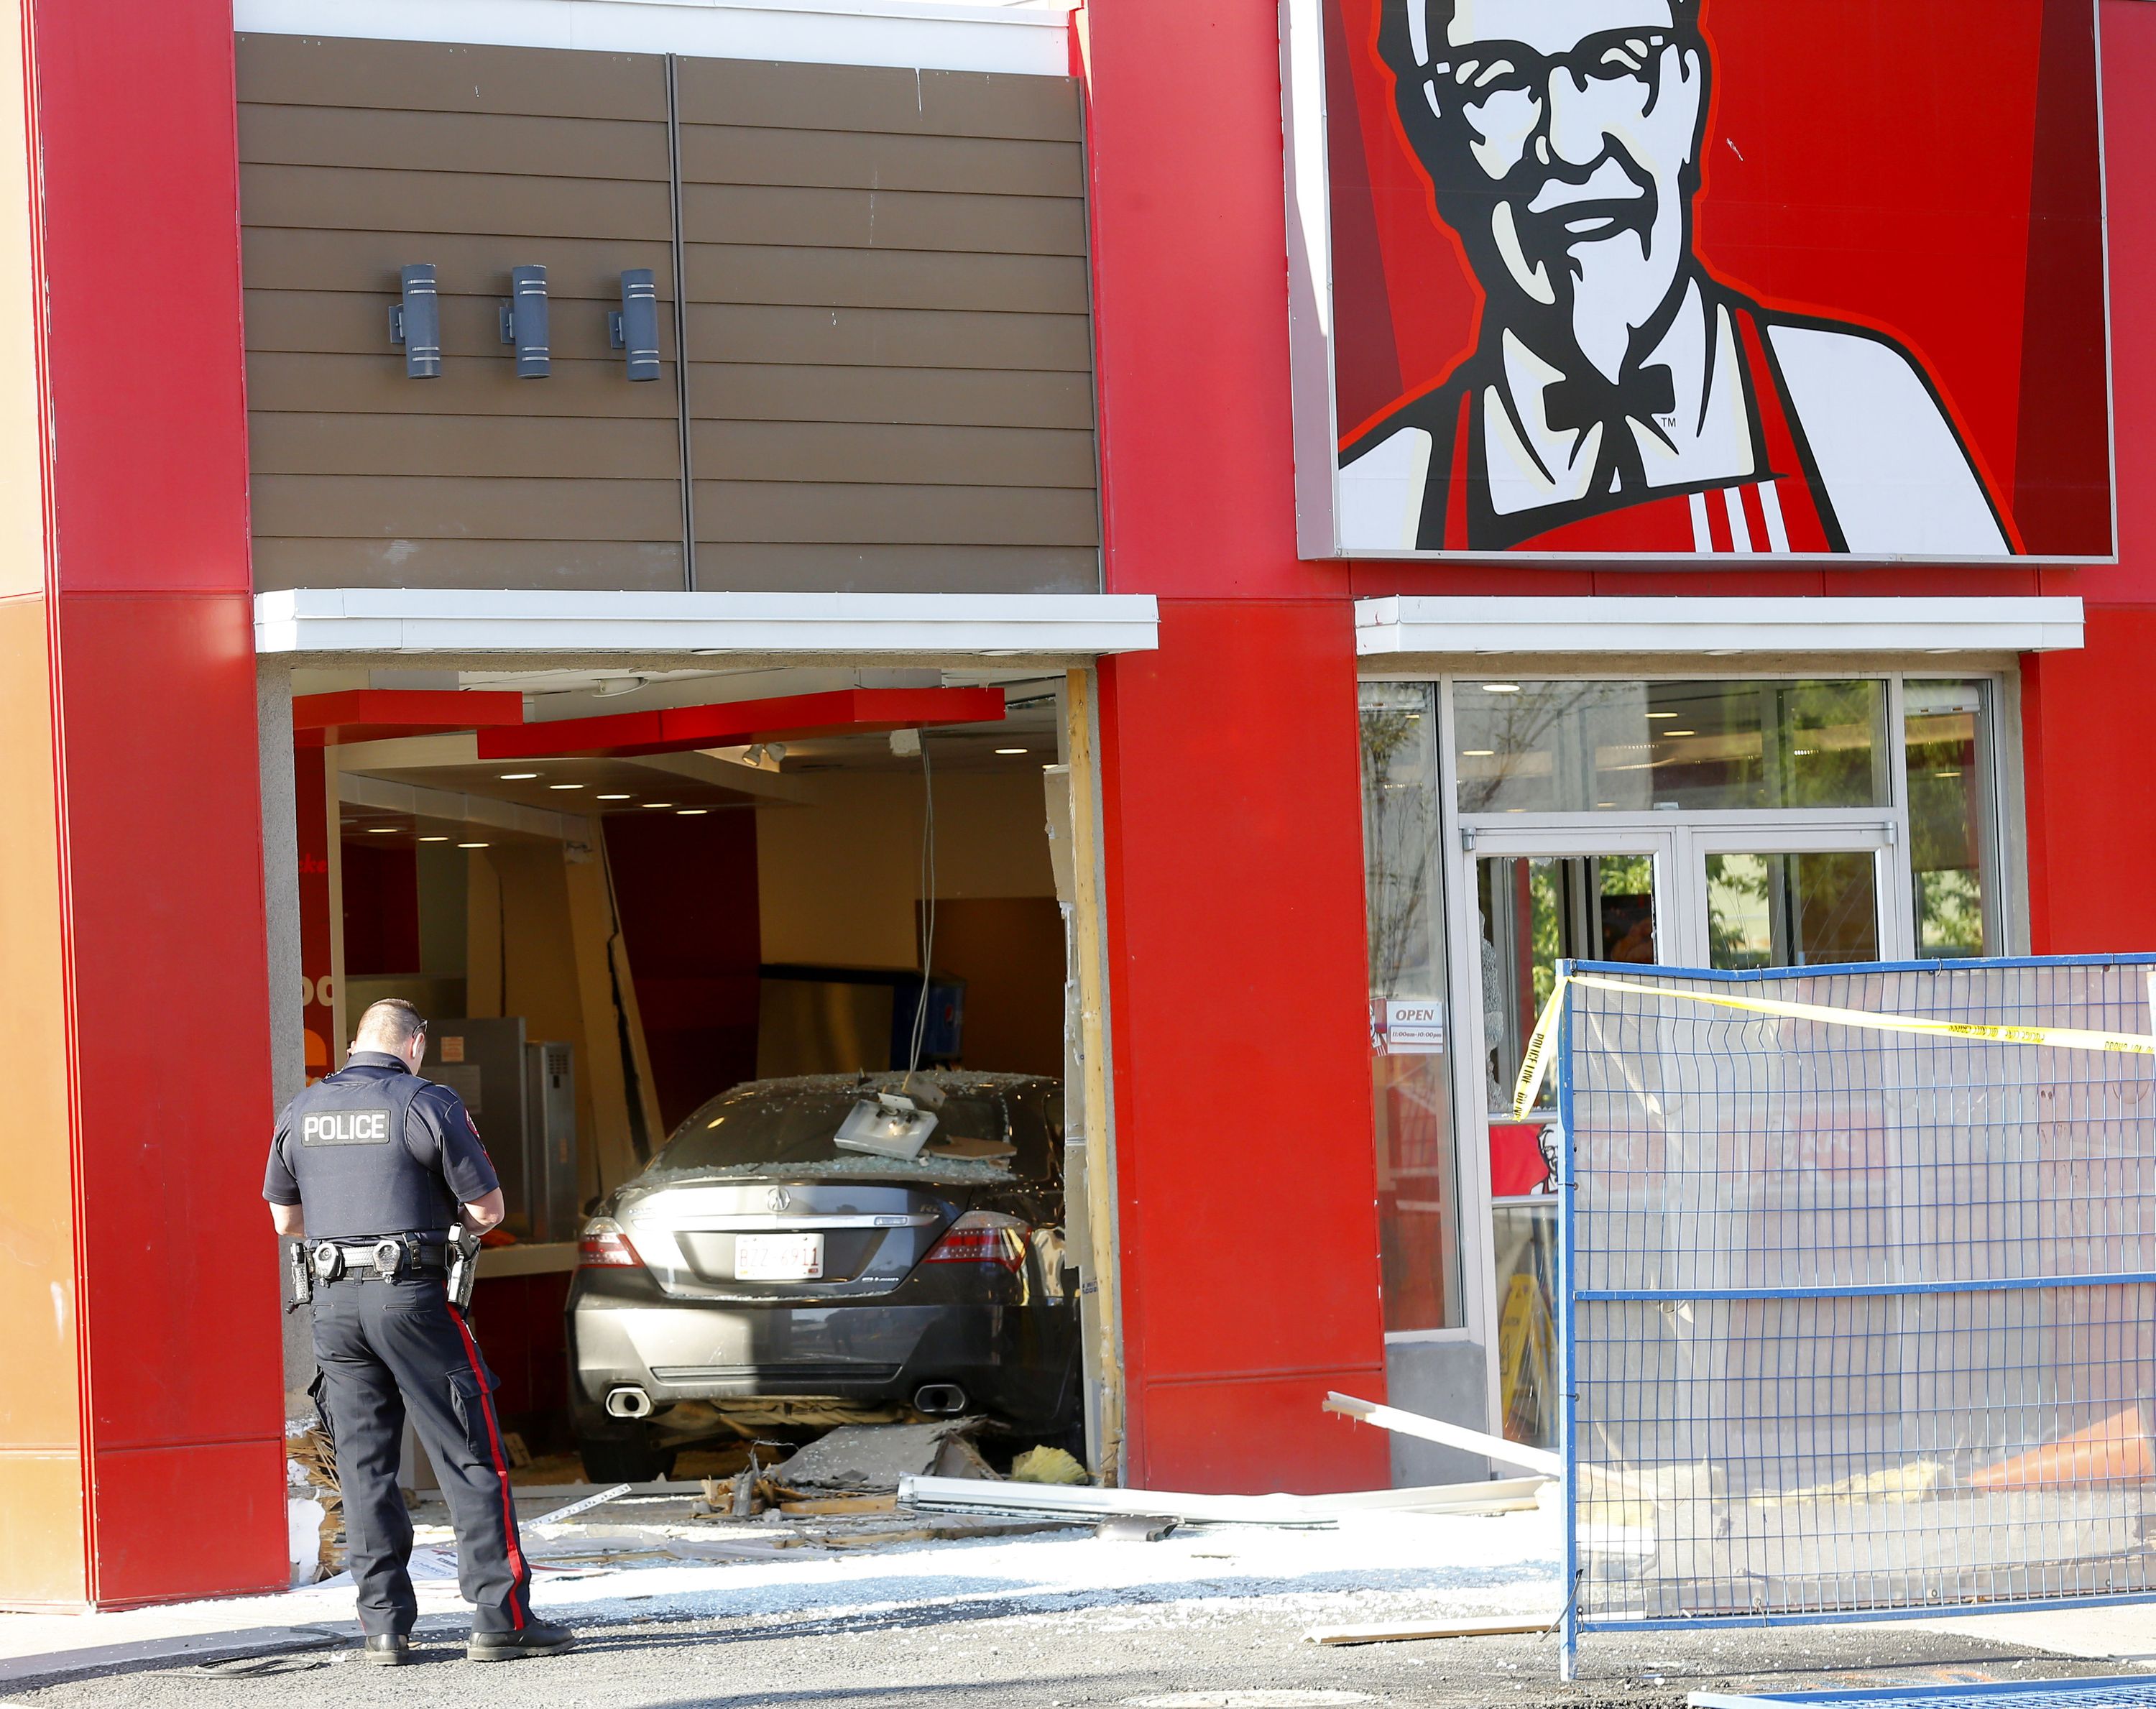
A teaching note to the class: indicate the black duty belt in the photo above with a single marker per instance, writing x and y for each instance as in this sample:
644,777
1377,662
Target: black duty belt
376,1260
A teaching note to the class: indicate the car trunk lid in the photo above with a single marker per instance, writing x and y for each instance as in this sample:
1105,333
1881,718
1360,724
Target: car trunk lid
782,1240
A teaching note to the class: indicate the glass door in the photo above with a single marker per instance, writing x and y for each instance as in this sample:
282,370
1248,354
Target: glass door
1541,897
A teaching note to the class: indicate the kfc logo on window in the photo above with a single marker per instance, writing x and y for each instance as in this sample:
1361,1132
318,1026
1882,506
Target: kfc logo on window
1679,279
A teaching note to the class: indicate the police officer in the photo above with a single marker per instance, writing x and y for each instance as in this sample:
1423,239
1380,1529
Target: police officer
369,1169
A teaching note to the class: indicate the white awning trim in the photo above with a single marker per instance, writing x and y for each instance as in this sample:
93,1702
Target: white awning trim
1440,626
465,622
916,34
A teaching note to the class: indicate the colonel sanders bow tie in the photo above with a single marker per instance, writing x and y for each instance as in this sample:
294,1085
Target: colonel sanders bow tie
1575,404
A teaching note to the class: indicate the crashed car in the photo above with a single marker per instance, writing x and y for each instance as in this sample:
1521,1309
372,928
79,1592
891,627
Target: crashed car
758,1271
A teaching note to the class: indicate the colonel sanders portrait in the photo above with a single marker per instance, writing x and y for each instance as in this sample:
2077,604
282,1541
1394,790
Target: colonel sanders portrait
1619,397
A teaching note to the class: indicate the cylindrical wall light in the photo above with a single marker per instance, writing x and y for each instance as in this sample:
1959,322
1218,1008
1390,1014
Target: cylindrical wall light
634,329
415,321
524,321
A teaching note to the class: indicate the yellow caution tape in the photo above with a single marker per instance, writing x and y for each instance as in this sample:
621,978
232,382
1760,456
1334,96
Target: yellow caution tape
1536,1062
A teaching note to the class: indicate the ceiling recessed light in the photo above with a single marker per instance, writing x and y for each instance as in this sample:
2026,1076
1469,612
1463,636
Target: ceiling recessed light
1501,688
1478,753
687,812
658,803
1680,732
565,786
1012,749
1663,715
1802,753
433,840
471,845
613,798
381,830
517,777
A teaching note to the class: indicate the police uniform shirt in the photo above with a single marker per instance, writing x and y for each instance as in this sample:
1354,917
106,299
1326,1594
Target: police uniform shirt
374,1150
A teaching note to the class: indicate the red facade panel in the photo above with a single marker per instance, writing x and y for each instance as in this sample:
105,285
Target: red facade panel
160,843
1245,1162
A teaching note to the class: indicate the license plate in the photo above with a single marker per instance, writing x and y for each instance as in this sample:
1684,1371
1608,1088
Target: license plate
777,1257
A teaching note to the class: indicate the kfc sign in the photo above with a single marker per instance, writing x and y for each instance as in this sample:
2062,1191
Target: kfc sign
1688,279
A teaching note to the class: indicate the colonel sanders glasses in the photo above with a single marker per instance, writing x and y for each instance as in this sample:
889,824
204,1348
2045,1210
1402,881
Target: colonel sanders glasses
1485,69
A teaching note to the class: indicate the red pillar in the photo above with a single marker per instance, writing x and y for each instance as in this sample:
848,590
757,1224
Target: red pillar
2088,715
1245,1162
140,1453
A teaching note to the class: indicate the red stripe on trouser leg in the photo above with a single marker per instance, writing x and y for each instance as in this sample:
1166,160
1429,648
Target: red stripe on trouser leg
519,1573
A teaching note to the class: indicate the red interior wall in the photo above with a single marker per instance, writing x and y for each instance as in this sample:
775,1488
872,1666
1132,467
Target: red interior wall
687,892
381,909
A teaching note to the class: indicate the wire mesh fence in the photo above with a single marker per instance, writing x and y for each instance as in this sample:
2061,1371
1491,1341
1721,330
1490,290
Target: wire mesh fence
1857,1323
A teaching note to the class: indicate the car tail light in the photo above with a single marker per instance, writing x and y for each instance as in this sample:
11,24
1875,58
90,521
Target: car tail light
983,1237
605,1246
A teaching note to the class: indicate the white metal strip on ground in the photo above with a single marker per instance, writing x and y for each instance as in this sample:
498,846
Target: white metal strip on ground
1590,624
944,35
474,622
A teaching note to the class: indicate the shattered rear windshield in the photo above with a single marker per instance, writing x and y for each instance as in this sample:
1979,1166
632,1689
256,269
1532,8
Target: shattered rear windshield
983,1131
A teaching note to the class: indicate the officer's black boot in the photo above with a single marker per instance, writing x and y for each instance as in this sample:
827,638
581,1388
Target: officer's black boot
388,1649
535,1638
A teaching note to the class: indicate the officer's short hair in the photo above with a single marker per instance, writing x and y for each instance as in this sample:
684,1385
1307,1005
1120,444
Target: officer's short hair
396,1018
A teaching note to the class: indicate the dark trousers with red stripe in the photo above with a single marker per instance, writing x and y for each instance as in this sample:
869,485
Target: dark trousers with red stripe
387,1351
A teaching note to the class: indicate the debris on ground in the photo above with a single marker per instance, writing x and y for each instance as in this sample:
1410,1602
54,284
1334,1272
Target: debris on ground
860,1458
311,1475
1048,1465
1083,1504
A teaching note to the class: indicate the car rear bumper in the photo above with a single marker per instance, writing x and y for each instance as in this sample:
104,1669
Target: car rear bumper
1011,1360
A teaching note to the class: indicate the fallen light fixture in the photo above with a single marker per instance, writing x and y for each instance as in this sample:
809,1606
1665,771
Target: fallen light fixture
906,743
524,321
633,328
415,321
889,1125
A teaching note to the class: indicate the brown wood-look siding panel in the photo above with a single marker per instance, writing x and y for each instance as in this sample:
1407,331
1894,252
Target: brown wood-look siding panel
347,199
281,442
873,160
895,338
358,507
879,98
809,513
453,142
885,219
900,456
436,77
886,279
281,259
468,385
353,323
776,568
930,397
597,565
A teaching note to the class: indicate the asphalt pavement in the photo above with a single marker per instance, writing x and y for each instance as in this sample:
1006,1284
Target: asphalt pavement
1190,1654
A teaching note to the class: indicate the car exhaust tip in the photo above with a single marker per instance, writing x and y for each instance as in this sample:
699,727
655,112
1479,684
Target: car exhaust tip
940,1399
629,1403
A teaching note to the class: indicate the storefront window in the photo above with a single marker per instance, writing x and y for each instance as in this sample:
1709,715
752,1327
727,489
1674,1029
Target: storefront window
1418,1196
1707,747
1949,770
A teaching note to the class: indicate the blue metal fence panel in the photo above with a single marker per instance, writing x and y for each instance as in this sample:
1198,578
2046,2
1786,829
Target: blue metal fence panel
1857,1323
2134,1691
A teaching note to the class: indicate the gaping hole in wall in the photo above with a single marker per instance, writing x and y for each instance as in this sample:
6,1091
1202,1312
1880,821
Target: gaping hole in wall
665,977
